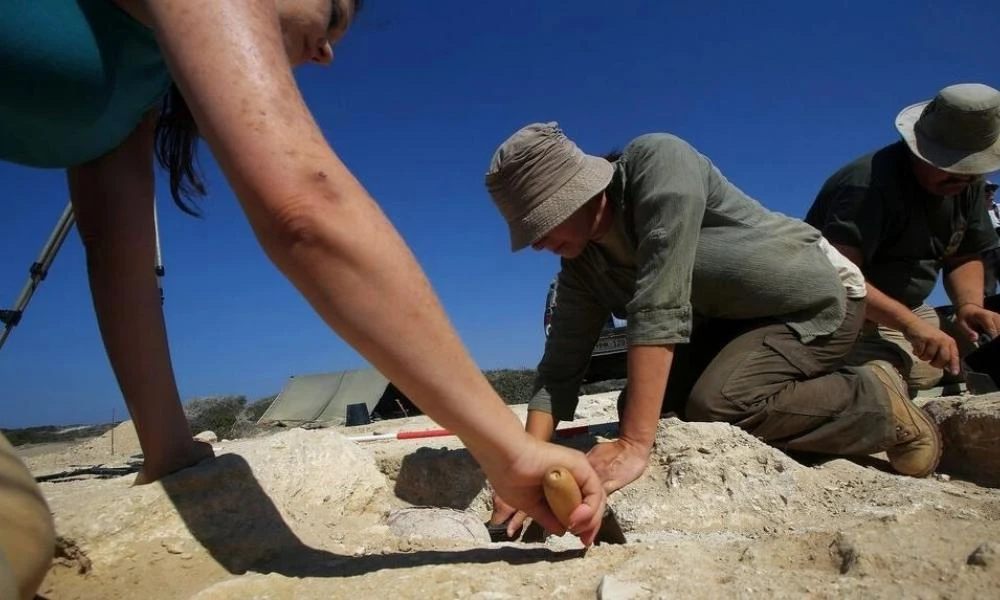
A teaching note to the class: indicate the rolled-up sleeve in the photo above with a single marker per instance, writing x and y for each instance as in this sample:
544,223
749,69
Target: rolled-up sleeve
577,321
667,184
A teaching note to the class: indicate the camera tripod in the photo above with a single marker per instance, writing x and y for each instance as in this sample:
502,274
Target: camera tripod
40,268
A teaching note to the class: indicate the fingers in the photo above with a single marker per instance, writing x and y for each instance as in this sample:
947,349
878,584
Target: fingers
516,522
944,355
940,351
953,365
971,334
543,515
501,511
586,523
993,326
586,519
948,356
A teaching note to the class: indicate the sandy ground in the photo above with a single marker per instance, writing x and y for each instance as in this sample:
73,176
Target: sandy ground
312,514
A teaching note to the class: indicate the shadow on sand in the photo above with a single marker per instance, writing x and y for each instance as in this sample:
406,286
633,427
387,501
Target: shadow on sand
227,511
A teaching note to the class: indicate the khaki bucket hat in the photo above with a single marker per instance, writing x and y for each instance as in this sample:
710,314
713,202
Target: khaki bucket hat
957,131
538,178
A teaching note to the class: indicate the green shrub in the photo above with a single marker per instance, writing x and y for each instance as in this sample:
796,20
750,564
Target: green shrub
52,433
255,410
599,387
514,386
215,413
246,421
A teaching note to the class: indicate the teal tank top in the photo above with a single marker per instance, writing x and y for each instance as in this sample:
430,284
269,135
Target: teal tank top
76,77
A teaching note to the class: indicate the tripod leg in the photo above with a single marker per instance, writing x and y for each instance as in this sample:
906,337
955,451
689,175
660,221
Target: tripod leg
39,269
160,271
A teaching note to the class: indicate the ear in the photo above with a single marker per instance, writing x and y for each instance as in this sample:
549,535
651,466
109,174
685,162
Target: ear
324,55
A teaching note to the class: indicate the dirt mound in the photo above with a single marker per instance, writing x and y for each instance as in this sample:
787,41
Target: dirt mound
118,446
306,514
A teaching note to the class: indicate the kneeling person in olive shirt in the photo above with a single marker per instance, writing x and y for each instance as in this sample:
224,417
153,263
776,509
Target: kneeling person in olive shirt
748,313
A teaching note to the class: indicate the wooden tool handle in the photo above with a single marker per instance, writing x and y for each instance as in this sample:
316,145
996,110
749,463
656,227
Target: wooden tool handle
562,493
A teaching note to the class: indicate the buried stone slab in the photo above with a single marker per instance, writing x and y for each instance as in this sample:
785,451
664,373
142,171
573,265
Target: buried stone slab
613,588
970,428
437,523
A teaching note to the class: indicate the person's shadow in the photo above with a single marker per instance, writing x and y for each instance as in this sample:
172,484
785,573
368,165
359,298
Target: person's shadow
226,510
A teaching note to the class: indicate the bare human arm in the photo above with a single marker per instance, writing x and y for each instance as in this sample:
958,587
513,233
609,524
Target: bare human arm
963,280
929,343
577,321
113,203
622,461
319,226
539,425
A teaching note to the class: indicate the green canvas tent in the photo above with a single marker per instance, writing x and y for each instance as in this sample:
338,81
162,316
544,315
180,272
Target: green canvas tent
322,399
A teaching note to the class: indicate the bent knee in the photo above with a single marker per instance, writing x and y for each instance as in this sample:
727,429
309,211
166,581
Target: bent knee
27,546
27,532
710,407
28,556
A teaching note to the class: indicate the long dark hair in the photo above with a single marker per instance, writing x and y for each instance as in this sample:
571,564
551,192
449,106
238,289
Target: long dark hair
177,137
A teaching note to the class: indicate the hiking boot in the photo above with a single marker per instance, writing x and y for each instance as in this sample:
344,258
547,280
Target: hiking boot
917,448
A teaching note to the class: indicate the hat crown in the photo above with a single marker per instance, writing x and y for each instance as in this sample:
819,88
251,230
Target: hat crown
538,177
530,166
962,117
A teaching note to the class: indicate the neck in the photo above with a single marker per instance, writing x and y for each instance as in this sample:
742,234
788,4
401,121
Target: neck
603,218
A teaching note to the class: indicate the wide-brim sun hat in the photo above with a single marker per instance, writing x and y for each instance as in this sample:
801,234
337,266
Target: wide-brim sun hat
538,178
957,131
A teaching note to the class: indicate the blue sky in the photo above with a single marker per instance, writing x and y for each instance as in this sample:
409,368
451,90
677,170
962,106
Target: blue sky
777,94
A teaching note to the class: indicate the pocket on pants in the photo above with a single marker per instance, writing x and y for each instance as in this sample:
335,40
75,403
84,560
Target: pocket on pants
763,372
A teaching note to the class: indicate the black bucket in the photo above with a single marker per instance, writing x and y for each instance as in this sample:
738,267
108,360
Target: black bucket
982,368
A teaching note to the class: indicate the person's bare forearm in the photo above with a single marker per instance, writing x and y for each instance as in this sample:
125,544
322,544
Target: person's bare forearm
648,369
540,425
963,281
887,311
353,268
880,308
316,222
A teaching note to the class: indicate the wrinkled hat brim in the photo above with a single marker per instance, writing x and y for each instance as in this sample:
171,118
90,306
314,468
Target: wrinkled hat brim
960,162
591,179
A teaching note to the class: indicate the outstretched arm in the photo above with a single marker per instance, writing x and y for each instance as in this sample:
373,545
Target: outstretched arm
325,233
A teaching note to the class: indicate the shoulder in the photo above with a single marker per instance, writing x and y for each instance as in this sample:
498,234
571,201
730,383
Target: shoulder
879,174
651,144
663,154
885,168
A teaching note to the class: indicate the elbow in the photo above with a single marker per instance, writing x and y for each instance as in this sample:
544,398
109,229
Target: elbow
297,224
318,220
303,223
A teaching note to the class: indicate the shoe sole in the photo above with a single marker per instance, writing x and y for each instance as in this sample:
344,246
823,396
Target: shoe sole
937,440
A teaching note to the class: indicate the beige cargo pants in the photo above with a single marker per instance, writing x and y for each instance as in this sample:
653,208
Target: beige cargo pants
877,342
27,534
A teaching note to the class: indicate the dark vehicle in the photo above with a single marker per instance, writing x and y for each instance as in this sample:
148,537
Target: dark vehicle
608,359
